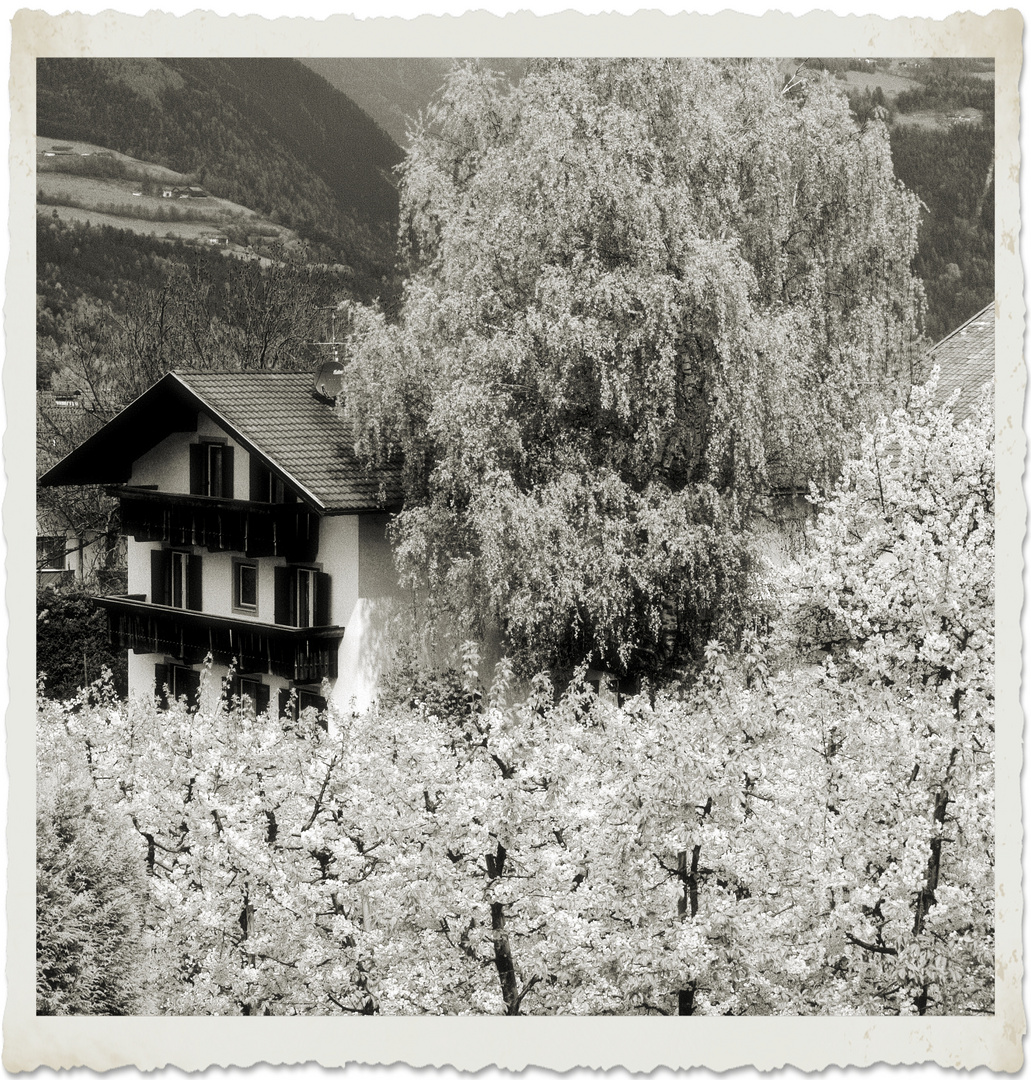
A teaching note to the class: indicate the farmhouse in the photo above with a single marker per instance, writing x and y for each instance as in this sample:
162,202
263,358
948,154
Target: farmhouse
255,537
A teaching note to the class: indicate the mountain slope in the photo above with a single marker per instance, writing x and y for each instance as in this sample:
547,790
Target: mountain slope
394,90
267,133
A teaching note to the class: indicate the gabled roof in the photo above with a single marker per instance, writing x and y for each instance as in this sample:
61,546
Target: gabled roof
967,361
273,414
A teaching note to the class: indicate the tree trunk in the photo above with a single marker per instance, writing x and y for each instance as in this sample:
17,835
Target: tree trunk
926,898
502,947
688,904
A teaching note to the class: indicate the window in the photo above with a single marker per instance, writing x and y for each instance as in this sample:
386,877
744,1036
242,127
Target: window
267,488
175,579
245,587
249,692
172,682
302,596
50,552
211,470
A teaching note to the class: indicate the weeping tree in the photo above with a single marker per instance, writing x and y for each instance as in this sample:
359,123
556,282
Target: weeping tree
641,294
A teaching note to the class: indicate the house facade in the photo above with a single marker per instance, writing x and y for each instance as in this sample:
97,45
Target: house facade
255,538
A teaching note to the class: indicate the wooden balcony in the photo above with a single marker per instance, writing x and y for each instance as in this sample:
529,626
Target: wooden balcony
254,529
306,654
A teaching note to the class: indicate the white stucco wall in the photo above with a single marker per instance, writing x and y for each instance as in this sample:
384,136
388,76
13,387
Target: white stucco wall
367,648
137,559
167,466
338,557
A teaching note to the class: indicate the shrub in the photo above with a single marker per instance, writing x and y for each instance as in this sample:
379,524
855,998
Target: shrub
71,645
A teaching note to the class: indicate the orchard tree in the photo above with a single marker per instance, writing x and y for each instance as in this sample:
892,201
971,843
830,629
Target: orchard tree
901,589
640,293
755,844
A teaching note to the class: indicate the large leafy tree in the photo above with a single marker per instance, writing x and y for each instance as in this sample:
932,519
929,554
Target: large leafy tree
640,294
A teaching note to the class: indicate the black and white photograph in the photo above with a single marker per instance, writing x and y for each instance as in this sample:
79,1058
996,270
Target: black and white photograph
516,536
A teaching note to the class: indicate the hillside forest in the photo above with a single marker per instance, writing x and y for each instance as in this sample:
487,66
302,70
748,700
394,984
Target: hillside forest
942,127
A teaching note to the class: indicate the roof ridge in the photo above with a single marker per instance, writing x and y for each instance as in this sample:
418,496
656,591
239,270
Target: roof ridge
250,373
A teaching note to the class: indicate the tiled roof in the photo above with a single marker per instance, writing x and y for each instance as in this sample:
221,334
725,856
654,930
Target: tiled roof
967,361
303,438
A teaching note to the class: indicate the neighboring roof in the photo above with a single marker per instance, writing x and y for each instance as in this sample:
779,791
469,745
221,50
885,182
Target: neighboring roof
272,414
967,361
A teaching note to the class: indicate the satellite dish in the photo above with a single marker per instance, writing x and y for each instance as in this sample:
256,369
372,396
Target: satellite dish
329,381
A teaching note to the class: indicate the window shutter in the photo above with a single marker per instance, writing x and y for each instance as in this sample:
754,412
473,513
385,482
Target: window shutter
227,472
259,481
286,596
323,610
261,704
160,682
160,576
194,594
198,467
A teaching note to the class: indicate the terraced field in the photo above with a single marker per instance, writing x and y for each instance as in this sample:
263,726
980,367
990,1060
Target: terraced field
81,182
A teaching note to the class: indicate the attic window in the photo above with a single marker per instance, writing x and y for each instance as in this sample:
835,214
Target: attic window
211,470
267,488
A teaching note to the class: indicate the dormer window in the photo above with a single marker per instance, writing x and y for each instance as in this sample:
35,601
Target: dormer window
211,469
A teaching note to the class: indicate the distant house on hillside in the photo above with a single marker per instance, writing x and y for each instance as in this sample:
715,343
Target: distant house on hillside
255,537
966,359
170,191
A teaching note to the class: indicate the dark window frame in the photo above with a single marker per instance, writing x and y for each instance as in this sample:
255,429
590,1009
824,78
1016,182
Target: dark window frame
164,578
249,691
266,486
181,681
239,567
293,700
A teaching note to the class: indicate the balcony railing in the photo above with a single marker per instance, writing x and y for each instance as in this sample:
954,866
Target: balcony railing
303,654
253,528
